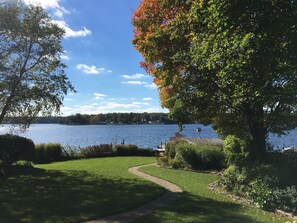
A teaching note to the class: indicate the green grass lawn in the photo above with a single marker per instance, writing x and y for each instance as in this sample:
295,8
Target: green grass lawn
199,204
74,191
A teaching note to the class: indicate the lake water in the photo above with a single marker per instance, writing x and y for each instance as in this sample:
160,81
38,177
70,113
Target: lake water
145,136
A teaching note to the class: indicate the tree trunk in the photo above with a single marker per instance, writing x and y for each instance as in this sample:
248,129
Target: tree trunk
5,108
258,142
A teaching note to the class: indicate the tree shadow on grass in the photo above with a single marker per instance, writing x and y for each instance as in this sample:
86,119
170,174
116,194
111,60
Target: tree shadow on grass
37,195
195,209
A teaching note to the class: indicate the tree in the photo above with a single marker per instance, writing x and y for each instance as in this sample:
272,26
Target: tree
32,77
230,63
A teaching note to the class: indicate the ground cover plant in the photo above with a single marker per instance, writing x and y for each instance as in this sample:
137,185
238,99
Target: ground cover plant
271,184
74,191
199,204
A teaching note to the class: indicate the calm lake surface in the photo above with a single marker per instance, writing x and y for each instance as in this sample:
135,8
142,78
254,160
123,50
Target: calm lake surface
145,136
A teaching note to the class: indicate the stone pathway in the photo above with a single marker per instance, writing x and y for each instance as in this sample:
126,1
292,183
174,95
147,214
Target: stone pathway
172,192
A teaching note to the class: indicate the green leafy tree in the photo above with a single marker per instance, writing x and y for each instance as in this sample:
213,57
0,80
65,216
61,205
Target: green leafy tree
230,63
32,77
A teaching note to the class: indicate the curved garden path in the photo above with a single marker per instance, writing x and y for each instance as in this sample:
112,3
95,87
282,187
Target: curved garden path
172,192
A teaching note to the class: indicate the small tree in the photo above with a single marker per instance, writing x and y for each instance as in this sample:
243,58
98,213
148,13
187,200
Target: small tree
232,64
32,76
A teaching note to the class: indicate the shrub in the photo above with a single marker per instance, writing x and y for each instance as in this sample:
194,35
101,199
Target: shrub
53,152
233,178
200,156
14,148
129,150
261,193
241,179
264,183
121,150
71,152
132,150
170,147
163,160
236,151
284,167
145,152
102,150
286,199
46,153
132,147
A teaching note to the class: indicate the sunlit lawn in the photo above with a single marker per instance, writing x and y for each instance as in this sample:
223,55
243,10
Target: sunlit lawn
74,191
199,204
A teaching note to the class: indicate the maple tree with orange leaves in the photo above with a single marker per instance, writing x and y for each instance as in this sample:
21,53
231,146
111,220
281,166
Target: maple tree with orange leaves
232,64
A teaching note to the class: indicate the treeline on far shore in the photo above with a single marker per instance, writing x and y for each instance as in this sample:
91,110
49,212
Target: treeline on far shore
103,119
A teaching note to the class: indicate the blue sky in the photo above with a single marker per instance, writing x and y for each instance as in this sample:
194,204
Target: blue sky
102,63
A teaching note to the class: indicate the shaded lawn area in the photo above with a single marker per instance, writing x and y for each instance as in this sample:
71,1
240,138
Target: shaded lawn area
199,204
74,191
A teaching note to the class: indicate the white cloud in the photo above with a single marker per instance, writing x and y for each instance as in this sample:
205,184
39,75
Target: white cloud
110,107
151,86
99,96
59,12
65,57
135,76
54,5
135,83
153,109
91,69
68,99
70,32
101,103
71,94
147,99
120,99
114,105
145,84
141,103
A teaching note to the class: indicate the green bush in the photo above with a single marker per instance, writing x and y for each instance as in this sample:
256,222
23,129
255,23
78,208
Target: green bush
46,153
271,198
14,148
200,156
261,193
133,150
129,150
236,151
241,179
163,161
234,179
121,150
170,147
102,150
283,166
270,185
286,199
145,152
132,147
71,152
